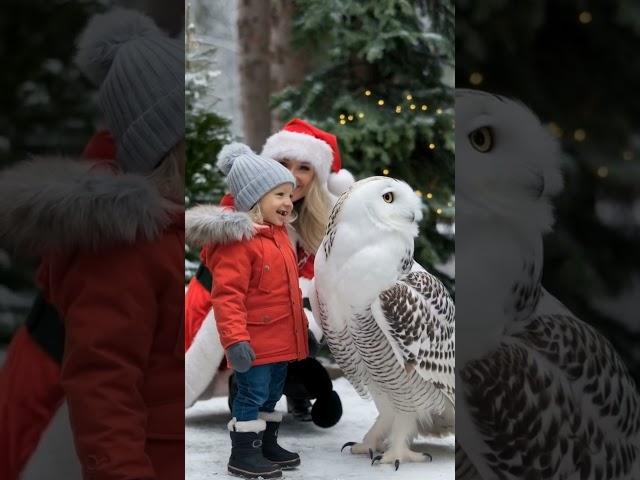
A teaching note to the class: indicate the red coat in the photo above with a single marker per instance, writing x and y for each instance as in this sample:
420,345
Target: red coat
123,365
256,296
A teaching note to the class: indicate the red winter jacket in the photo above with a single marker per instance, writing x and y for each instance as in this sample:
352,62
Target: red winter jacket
123,365
256,296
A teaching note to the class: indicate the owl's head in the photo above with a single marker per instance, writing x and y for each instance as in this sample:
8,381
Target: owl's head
384,203
507,163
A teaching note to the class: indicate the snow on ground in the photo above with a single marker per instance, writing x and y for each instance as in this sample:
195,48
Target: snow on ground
207,445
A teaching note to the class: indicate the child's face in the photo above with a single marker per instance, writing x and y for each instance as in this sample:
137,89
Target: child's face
277,205
303,173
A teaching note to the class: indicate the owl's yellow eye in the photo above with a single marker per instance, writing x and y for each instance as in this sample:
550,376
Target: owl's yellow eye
482,139
388,197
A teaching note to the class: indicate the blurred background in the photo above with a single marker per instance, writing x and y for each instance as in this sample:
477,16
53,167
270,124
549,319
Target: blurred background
377,74
573,63
47,106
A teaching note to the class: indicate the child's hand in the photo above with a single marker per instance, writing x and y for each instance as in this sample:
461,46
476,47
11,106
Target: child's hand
241,355
259,226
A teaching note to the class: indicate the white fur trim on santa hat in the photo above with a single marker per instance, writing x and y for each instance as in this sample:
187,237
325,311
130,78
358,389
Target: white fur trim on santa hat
339,182
300,147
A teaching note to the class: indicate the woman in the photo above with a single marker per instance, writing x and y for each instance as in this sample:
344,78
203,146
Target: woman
313,156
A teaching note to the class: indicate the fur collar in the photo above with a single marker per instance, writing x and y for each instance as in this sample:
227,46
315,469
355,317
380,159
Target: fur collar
59,203
209,224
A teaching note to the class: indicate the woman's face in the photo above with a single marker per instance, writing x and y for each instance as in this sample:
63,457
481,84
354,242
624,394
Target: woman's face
304,174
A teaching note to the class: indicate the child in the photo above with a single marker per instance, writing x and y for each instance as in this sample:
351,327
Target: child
258,309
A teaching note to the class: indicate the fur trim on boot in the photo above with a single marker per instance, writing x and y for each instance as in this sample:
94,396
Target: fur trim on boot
255,426
270,416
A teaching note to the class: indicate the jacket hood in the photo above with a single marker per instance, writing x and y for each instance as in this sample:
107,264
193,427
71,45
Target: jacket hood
209,224
52,203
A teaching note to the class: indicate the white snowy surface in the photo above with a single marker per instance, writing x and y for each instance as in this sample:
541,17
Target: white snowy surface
207,445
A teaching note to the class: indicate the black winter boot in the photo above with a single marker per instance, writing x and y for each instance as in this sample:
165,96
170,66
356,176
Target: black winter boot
246,458
270,448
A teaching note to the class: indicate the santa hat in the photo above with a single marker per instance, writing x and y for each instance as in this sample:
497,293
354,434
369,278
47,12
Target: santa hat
301,141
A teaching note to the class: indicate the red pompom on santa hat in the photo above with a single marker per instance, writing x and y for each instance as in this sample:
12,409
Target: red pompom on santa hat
301,141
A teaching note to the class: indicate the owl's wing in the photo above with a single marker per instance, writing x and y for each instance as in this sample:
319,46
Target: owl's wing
341,344
565,397
417,316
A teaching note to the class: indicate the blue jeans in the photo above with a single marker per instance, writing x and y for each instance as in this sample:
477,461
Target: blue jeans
259,389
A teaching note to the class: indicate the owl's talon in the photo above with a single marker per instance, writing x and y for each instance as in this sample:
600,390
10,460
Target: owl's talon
375,459
397,464
371,454
428,455
348,444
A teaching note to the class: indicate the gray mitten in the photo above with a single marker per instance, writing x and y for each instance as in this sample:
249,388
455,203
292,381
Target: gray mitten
241,355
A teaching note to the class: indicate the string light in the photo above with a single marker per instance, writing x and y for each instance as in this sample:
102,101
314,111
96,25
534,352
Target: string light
432,146
385,172
439,211
585,17
439,111
409,98
419,193
361,115
342,116
424,108
398,108
350,118
555,130
580,135
429,196
367,93
412,106
381,102
449,204
342,122
476,78
603,172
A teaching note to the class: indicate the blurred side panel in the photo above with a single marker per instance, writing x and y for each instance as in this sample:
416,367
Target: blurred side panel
548,257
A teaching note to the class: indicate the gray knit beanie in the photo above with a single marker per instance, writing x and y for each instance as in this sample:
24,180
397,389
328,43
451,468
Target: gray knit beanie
249,175
140,71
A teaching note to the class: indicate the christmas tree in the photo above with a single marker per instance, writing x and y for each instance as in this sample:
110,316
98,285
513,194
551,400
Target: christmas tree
206,132
379,84
571,65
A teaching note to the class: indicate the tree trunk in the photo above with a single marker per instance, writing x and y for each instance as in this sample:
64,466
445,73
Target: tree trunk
253,63
289,64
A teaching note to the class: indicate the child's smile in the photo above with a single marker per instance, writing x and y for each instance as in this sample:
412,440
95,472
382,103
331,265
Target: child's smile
276,205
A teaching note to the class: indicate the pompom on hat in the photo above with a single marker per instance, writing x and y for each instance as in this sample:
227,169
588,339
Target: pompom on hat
301,141
140,74
249,175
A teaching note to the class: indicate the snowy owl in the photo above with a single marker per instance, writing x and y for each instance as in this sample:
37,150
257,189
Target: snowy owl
541,394
388,323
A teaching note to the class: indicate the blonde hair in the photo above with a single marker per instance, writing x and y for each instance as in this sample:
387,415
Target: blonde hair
169,176
313,216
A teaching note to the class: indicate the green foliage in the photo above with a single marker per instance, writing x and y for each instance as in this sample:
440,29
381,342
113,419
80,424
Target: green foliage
381,51
47,104
206,133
